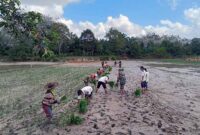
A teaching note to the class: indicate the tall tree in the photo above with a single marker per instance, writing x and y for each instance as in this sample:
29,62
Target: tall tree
117,41
88,42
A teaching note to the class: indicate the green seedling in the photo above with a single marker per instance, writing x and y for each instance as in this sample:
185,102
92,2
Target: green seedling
105,74
94,82
63,98
71,119
109,68
111,84
83,106
138,92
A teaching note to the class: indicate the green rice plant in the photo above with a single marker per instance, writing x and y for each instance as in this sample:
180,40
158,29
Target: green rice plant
109,68
94,82
83,106
111,84
138,92
105,74
63,98
71,119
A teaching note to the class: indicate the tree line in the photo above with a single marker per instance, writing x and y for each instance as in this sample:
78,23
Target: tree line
33,36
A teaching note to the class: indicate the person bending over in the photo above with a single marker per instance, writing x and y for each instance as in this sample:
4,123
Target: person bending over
85,92
102,82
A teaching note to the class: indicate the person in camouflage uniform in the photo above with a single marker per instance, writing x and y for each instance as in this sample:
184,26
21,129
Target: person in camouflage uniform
121,80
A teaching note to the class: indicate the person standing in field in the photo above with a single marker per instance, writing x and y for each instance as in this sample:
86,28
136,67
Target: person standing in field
85,92
115,63
120,64
102,81
146,78
49,99
102,64
143,78
121,79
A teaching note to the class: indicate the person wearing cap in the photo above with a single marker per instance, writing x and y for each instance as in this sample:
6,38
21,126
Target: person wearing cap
49,99
102,81
121,79
85,92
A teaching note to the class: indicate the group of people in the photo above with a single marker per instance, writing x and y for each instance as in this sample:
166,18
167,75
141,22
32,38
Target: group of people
120,63
86,92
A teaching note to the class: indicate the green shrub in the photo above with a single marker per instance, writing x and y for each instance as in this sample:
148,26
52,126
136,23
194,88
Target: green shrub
138,92
20,52
71,119
83,106
49,56
113,58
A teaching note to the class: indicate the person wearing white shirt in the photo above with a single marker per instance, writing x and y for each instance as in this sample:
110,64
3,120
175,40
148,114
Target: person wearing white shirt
146,78
85,92
143,78
102,81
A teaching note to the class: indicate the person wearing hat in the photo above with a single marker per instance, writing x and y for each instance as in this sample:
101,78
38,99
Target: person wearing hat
121,79
85,92
49,99
102,81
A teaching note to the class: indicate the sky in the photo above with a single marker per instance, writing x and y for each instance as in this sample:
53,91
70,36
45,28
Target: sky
132,17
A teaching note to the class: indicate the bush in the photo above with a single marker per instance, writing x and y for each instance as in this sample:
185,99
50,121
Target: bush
83,106
49,56
113,58
71,119
138,92
20,52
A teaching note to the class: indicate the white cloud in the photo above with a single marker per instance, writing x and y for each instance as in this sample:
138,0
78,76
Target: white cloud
193,15
167,27
55,9
122,23
52,8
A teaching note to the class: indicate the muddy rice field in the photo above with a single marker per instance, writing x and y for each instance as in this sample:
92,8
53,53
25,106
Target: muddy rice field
169,107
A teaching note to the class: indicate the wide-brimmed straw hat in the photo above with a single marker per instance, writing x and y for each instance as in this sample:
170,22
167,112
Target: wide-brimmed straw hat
51,85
